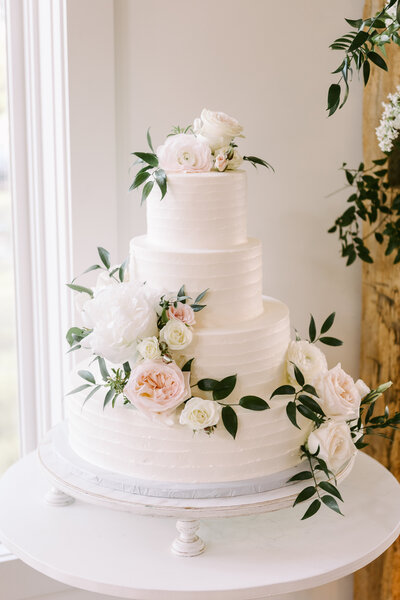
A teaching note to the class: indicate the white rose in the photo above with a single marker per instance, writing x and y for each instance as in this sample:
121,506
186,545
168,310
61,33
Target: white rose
335,444
339,397
176,334
218,128
221,162
362,388
308,358
235,161
199,413
185,152
149,348
120,315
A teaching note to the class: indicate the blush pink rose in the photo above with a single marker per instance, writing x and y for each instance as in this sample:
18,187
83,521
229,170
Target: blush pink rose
182,312
156,387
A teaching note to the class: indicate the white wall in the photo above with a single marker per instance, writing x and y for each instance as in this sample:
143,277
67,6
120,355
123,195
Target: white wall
266,63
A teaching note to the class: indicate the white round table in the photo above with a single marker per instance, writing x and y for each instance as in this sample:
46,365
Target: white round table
127,555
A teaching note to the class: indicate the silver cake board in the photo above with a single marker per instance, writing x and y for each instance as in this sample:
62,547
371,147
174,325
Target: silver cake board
74,478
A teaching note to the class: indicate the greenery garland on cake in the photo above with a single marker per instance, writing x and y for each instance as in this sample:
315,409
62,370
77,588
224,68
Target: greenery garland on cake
207,145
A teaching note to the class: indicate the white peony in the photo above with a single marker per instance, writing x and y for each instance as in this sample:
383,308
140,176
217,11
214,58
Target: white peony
176,334
339,396
120,315
217,128
335,444
308,358
199,413
148,348
184,152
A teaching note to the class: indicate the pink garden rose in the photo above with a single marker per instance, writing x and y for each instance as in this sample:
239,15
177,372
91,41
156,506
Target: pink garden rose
339,396
183,312
156,387
184,152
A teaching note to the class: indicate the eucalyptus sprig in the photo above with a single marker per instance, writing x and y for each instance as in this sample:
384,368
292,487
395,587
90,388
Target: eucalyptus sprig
359,47
150,173
370,202
220,390
325,490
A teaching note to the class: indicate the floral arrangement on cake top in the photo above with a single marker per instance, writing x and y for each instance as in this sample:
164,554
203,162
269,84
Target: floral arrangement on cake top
207,145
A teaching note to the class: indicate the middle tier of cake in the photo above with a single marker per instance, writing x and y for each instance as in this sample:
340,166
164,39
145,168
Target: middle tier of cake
232,275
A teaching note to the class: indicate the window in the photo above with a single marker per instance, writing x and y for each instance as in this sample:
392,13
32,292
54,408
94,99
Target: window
9,442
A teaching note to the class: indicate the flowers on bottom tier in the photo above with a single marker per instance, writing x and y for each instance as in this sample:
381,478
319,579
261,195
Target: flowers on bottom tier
333,443
200,414
156,387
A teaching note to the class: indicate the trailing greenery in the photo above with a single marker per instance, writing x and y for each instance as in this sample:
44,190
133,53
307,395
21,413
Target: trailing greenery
220,390
150,173
371,202
360,47
325,327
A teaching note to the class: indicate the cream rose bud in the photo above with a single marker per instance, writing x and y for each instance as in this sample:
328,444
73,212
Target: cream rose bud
221,162
339,397
218,128
184,152
176,334
199,413
335,444
308,358
149,348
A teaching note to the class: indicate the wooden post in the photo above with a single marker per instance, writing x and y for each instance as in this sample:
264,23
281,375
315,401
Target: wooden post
380,338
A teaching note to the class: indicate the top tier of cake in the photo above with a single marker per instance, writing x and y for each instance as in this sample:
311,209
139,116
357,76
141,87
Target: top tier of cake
200,211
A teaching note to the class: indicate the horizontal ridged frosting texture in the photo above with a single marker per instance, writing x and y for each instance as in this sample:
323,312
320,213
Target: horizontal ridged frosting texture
199,211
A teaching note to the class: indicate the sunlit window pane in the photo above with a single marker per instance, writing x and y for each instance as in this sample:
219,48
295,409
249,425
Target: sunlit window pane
8,356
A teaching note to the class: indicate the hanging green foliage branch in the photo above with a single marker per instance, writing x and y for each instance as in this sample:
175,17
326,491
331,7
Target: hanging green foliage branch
364,45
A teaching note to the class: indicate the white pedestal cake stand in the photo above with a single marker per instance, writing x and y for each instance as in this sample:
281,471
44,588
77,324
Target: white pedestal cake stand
123,554
69,483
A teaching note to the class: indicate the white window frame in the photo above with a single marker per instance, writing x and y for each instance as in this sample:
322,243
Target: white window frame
63,182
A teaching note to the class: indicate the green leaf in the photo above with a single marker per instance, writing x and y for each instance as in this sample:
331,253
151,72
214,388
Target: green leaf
309,389
104,257
253,403
127,368
92,268
146,191
366,72
150,143
354,22
122,269
80,288
108,397
283,390
103,369
307,413
198,307
298,375
258,161
331,489
206,384
76,334
331,341
200,297
181,295
378,60
333,96
150,159
311,404
91,393
87,375
305,494
398,12
140,178
229,419
224,387
312,509
302,476
161,180
74,348
312,330
327,324
358,41
291,409
79,389
188,365
331,503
